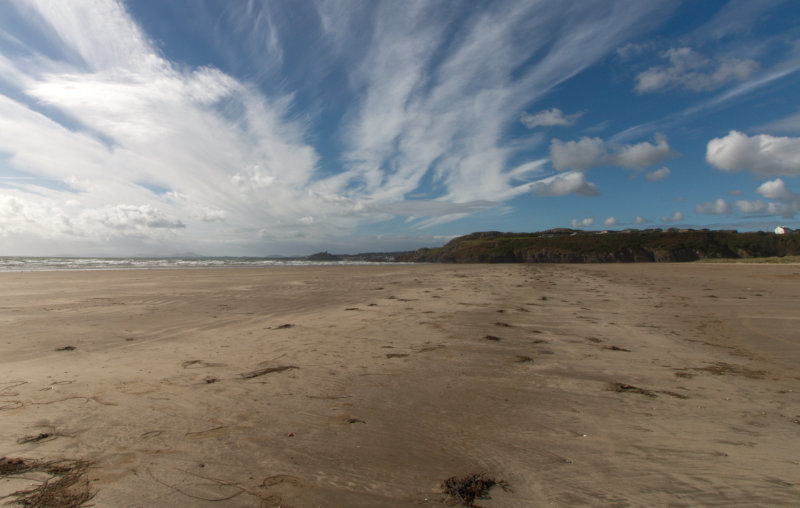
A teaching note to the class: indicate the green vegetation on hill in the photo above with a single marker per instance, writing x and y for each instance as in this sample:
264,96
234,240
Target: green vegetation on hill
571,246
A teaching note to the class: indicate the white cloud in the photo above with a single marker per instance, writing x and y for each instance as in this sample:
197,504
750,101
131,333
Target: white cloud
142,147
734,17
658,174
610,221
573,182
750,207
582,223
762,154
633,49
758,207
675,217
789,124
590,152
207,214
430,208
641,220
449,119
718,207
775,189
21,214
141,119
689,70
580,155
785,202
643,154
127,218
549,118
528,170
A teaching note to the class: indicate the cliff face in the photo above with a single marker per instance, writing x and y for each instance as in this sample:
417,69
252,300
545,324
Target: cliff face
569,246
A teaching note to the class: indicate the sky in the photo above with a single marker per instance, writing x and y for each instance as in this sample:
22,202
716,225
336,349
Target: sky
286,127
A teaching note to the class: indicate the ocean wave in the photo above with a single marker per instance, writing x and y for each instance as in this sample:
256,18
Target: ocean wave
30,264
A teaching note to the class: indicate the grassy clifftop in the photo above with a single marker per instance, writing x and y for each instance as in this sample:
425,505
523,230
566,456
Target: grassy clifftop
570,246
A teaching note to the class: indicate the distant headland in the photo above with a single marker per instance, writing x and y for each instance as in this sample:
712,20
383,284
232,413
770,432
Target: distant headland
565,245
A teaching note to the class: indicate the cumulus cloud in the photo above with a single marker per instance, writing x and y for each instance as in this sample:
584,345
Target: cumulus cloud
675,217
132,217
590,152
549,118
610,221
784,202
21,214
718,207
762,154
689,70
573,182
580,155
758,207
658,174
582,223
750,207
643,154
776,189
641,220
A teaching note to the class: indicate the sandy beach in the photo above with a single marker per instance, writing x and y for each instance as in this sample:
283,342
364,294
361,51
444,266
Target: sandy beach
604,385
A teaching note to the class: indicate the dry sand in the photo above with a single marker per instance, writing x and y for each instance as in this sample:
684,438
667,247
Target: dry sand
609,385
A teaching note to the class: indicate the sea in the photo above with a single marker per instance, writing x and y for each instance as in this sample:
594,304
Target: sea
38,264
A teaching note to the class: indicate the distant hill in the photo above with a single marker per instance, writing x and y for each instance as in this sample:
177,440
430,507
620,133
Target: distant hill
324,256
372,257
571,246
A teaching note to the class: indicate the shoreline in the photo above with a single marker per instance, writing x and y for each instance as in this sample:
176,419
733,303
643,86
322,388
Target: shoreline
370,385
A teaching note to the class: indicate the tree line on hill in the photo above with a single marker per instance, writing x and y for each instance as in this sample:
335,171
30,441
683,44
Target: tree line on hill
571,246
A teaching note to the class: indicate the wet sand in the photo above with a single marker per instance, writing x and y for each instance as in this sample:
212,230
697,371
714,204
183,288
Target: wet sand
605,385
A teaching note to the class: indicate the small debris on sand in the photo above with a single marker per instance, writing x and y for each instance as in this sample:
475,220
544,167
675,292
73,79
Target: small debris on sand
468,488
66,348
622,387
396,355
35,439
268,370
200,364
674,394
723,368
492,337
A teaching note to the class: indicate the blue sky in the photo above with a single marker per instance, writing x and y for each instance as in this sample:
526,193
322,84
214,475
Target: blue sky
289,127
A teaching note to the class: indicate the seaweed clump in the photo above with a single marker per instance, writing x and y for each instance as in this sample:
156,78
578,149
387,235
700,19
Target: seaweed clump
66,484
467,489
